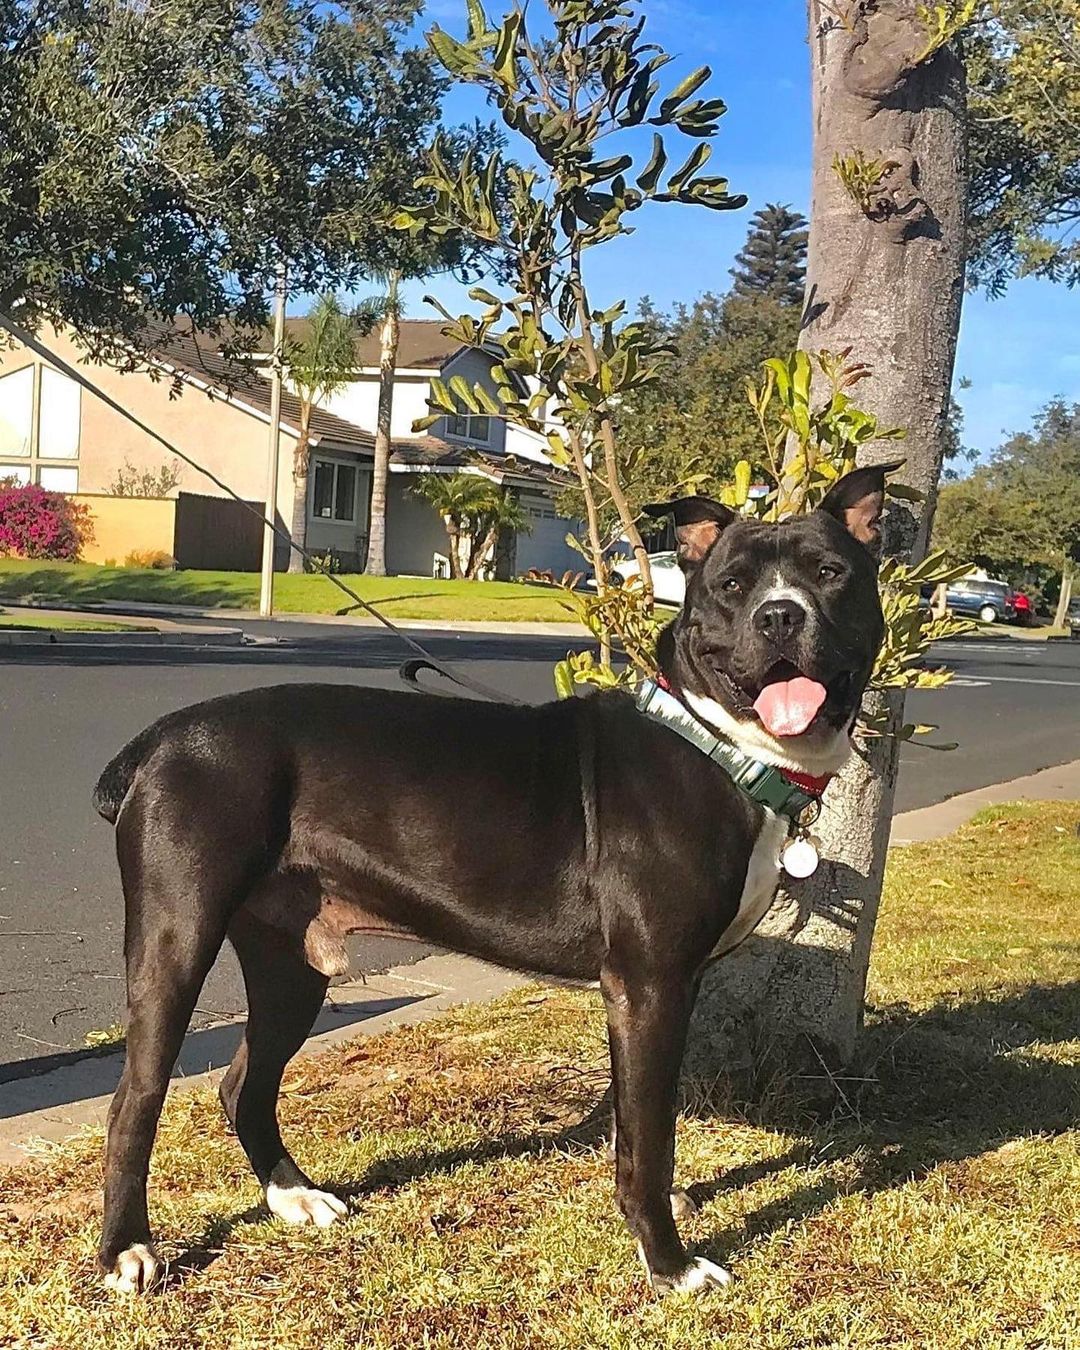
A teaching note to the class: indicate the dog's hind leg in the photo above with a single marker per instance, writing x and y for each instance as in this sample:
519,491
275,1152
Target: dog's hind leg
284,996
175,927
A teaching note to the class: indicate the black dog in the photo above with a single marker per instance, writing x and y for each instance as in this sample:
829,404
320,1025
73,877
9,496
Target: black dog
582,840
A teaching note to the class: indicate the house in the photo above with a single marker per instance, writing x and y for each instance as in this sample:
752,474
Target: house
217,410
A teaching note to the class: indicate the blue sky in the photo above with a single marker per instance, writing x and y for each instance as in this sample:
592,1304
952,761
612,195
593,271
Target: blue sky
1018,352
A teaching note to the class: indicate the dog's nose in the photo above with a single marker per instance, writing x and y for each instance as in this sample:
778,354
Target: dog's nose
779,620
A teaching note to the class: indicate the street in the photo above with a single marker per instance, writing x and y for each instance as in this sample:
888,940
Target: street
1014,709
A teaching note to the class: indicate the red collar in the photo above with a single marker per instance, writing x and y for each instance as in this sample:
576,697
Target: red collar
812,783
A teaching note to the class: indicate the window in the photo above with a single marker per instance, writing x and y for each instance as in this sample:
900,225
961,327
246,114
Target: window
41,423
16,411
58,421
333,495
469,427
59,479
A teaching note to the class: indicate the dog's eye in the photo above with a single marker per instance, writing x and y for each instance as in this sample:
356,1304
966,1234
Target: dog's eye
828,573
732,585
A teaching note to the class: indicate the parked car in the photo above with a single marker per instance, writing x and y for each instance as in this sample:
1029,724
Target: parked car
988,601
669,584
1072,618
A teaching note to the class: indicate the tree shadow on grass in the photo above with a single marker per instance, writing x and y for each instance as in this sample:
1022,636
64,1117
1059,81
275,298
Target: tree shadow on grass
940,1086
937,1086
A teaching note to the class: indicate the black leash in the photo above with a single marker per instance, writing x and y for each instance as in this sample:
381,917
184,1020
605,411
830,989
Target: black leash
408,670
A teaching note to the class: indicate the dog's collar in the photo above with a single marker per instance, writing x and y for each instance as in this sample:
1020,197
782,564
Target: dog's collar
782,790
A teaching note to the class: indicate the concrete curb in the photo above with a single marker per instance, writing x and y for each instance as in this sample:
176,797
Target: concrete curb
1061,783
191,637
53,1106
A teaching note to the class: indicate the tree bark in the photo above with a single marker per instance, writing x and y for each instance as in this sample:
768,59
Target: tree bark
388,349
453,534
301,464
885,278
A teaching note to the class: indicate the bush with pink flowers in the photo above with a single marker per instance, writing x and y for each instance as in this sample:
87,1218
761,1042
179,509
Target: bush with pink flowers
35,523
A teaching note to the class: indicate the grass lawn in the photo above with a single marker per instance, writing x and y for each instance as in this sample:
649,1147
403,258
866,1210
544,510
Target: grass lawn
30,621
399,597
939,1209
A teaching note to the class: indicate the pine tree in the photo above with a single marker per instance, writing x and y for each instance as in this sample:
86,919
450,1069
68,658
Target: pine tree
773,260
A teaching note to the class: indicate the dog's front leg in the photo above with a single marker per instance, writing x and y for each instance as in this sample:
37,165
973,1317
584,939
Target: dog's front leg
648,1016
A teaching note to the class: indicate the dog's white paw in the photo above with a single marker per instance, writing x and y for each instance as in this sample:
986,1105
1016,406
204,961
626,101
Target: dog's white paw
698,1276
303,1204
137,1270
682,1207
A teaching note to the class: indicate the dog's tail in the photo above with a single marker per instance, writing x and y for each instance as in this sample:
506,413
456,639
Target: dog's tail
119,774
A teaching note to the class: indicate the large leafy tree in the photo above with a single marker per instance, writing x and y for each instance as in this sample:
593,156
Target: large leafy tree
1024,203
1021,511
772,262
163,158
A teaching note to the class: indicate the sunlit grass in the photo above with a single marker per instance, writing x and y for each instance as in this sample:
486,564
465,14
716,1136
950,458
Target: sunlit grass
399,597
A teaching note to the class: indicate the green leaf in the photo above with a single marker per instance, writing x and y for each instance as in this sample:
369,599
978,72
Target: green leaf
742,482
504,62
564,680
650,175
682,91
478,24
440,396
451,54
698,156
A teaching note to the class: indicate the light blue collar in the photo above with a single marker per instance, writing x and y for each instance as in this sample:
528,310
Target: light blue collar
762,783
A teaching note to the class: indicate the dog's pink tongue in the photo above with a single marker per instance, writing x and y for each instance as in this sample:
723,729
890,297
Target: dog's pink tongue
789,706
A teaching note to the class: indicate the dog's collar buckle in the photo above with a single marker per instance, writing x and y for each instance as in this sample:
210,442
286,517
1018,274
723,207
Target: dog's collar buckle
795,795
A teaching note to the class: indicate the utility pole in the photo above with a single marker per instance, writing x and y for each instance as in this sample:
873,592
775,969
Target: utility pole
266,588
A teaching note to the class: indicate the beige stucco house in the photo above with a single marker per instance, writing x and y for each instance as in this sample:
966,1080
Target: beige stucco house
217,410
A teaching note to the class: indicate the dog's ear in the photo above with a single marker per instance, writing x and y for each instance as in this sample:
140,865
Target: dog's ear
699,522
857,501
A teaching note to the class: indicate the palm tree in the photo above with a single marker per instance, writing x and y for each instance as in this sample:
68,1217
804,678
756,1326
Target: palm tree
475,511
386,307
317,367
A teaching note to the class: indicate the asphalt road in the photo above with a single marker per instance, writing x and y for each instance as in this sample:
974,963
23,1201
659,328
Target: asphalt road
65,711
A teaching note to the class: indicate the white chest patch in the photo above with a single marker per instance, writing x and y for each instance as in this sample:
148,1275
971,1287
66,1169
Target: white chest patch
762,879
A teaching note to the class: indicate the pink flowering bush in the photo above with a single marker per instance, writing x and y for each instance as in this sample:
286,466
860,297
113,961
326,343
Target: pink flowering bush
35,523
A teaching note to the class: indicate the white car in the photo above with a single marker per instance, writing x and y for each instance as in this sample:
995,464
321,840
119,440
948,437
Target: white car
669,584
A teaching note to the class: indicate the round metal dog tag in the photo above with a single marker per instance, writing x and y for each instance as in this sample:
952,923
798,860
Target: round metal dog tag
800,858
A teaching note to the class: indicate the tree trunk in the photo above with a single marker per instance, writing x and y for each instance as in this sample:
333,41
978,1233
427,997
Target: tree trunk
453,534
885,278
388,349
301,462
1065,595
481,551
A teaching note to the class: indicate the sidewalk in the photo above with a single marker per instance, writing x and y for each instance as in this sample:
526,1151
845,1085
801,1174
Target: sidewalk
56,1104
156,630
137,609
1061,783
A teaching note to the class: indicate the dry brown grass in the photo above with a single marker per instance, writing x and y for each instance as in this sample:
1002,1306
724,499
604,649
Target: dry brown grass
942,1211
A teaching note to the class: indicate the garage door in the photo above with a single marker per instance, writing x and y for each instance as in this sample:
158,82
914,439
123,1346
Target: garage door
545,548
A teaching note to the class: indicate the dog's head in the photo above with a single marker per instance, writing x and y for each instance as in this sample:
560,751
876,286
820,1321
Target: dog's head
781,623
